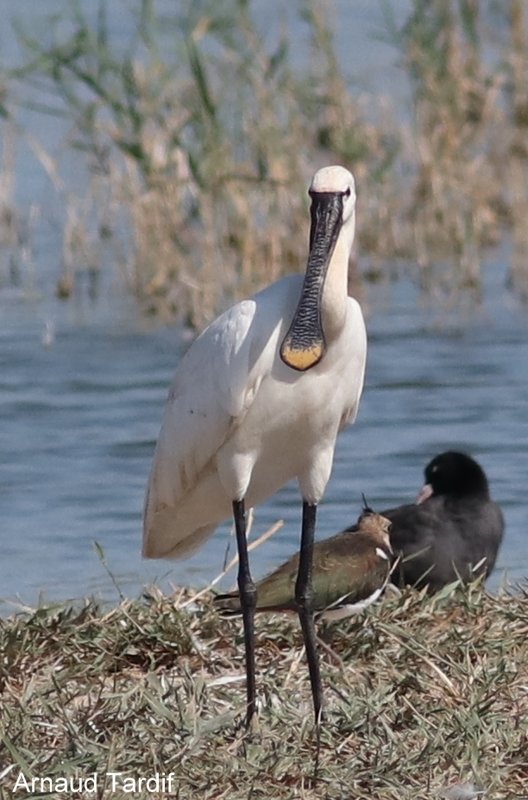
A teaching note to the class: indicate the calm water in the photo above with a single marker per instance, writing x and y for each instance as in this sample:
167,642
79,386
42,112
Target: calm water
80,419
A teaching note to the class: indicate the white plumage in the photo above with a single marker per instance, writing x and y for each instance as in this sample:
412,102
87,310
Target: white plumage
250,409
241,423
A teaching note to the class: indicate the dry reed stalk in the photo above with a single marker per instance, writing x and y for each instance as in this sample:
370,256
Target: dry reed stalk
16,230
205,153
208,159
455,101
518,157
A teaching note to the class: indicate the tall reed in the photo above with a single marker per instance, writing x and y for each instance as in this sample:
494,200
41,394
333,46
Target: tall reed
199,139
16,230
518,156
455,96
204,148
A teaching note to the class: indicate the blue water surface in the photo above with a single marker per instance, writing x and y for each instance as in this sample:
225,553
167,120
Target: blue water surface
82,387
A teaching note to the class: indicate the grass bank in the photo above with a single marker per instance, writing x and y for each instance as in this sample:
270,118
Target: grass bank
422,693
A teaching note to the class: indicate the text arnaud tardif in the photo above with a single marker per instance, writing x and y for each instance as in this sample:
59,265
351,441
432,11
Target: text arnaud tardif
163,782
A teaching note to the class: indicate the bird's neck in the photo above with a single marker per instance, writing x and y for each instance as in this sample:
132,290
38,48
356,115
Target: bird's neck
335,291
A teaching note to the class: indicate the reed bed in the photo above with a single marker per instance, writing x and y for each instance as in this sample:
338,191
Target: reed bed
424,693
199,139
16,229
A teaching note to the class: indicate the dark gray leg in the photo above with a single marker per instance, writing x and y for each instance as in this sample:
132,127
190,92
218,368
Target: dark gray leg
304,600
248,601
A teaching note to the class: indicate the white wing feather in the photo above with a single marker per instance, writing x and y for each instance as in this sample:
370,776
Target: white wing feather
209,391
215,386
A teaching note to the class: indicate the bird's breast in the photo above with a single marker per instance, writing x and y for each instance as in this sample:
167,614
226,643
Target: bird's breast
285,430
290,419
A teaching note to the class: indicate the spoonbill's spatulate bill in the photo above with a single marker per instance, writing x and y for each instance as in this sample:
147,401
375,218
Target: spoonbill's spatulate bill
259,399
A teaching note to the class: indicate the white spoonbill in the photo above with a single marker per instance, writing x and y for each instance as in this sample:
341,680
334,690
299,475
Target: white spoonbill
258,399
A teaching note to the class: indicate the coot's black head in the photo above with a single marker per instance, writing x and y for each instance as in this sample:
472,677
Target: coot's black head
456,474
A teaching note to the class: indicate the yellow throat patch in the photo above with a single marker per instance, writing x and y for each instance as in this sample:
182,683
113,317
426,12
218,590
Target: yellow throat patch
302,358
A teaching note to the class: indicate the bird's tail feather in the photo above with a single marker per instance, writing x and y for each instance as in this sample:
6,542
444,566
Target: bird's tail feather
160,541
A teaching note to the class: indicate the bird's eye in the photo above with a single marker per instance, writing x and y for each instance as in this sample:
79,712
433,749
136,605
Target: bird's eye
348,192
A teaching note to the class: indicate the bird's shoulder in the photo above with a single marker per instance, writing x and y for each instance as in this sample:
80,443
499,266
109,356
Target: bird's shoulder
277,590
477,521
213,372
350,568
496,518
355,548
208,391
233,354
415,523
355,322
352,359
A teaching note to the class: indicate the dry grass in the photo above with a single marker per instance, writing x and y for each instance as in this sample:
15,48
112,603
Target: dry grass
199,151
518,155
424,692
16,230
457,118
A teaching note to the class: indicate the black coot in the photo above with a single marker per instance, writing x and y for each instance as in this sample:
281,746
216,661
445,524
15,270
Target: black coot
453,526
